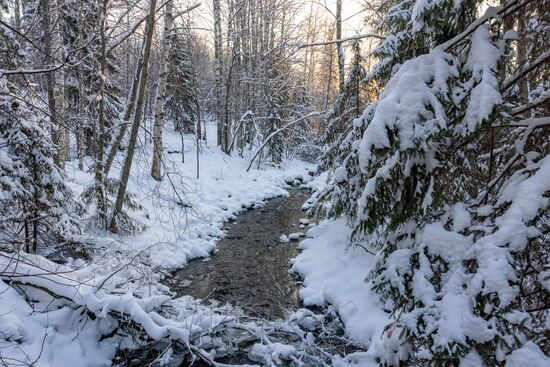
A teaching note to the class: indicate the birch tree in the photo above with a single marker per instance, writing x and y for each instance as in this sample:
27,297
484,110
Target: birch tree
125,174
53,54
161,91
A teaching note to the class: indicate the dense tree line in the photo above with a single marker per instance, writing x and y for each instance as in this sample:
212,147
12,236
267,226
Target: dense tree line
85,77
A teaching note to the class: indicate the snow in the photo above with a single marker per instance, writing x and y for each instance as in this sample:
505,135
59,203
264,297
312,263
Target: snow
277,352
55,338
296,236
450,245
334,275
188,226
340,174
471,359
183,218
482,62
529,355
284,239
461,217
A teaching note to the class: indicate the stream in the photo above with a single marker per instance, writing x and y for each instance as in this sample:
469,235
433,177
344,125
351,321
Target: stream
250,268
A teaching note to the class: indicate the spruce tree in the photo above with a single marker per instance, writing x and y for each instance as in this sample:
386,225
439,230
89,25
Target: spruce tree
448,185
182,105
348,105
37,208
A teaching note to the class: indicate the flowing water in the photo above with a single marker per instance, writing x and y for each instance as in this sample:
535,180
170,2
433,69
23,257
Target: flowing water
250,268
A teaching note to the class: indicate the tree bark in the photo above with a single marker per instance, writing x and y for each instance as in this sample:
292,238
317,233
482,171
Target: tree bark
99,177
161,93
522,56
17,15
53,95
125,120
341,74
220,109
145,56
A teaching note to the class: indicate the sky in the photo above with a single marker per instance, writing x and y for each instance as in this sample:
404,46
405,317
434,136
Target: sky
352,25
353,21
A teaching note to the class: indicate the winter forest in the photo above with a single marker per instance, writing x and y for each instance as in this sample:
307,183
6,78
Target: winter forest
275,183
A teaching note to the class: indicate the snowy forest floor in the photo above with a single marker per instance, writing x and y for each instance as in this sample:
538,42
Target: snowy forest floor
67,315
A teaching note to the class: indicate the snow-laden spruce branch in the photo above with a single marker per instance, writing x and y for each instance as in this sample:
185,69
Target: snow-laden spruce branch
352,38
273,134
60,63
492,12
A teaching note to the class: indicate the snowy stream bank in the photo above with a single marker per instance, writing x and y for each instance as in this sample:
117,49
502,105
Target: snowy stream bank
250,267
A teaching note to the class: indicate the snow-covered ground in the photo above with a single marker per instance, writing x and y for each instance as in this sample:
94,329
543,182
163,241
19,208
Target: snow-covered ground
334,274
183,215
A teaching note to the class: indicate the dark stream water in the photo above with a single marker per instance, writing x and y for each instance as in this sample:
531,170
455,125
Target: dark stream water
250,268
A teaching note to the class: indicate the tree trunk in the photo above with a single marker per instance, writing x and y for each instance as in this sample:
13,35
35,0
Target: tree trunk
54,98
522,56
99,178
145,56
161,93
17,15
219,70
341,74
125,120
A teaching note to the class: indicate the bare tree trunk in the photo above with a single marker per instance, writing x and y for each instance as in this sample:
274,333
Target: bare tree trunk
61,82
339,45
161,93
145,56
218,60
125,120
17,16
329,48
197,141
522,56
198,130
54,99
80,146
99,178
